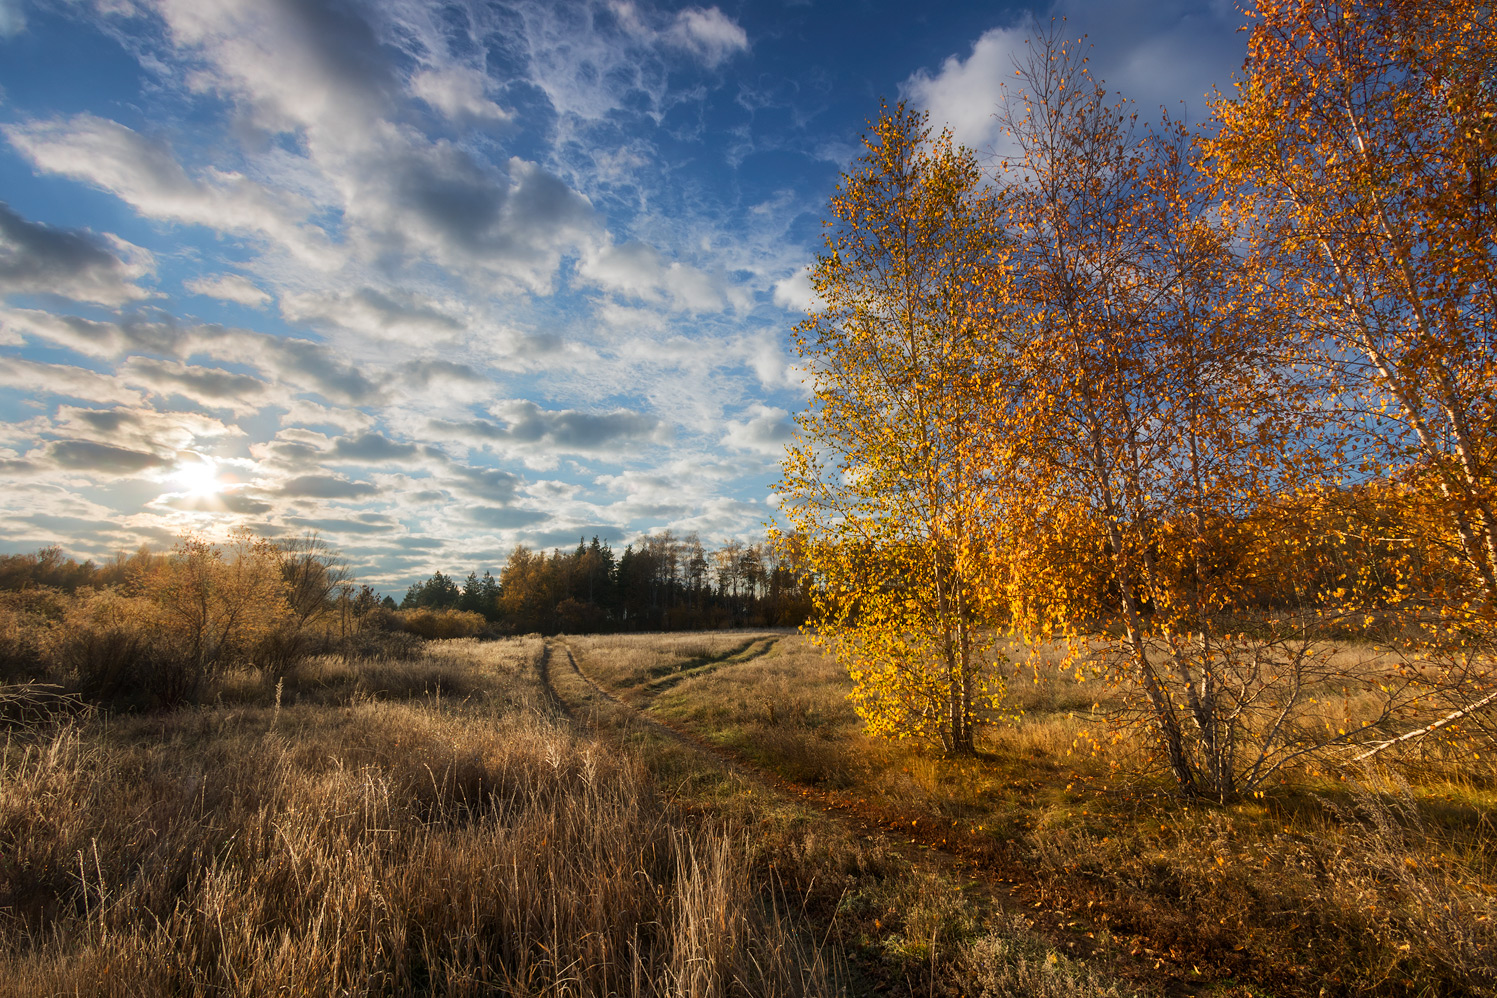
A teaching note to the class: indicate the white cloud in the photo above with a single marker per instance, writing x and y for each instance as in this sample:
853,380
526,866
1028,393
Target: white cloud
67,381
709,34
539,436
12,18
965,94
1159,52
301,412
639,271
766,431
229,287
144,174
457,92
766,354
795,292
388,316
1153,52
210,387
73,263
294,64
401,198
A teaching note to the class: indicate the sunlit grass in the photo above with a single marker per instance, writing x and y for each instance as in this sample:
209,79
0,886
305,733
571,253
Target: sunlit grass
1300,877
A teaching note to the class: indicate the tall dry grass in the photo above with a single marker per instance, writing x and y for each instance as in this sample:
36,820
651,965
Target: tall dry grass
427,843
1388,889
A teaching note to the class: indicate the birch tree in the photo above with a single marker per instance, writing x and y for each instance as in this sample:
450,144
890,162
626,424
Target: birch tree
1158,419
885,483
1360,159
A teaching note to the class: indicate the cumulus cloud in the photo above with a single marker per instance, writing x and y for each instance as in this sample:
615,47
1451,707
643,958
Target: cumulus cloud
540,435
92,337
72,263
638,270
483,484
457,92
766,431
164,434
66,380
506,517
295,361
305,412
229,287
92,456
385,316
709,34
432,200
327,487
146,175
367,523
434,372
238,502
373,448
291,362
323,72
210,386
965,93
397,189
795,292
771,364
293,62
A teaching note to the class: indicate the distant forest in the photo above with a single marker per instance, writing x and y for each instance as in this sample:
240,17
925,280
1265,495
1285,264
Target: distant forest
661,583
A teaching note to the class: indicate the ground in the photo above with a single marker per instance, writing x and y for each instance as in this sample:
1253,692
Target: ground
697,814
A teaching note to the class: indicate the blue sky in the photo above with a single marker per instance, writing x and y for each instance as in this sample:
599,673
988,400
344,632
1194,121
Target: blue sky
437,278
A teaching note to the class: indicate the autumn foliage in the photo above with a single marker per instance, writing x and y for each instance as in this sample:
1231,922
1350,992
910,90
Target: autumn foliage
892,491
161,630
1202,407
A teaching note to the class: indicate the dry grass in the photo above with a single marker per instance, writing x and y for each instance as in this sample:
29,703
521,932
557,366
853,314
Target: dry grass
372,836
420,821
1373,884
908,927
627,662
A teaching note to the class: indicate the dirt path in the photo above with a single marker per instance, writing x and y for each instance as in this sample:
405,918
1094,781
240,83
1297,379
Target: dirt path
1065,922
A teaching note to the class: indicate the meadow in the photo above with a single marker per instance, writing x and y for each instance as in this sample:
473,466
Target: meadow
1336,880
696,814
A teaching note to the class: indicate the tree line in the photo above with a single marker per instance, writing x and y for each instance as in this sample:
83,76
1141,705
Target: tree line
1202,407
660,583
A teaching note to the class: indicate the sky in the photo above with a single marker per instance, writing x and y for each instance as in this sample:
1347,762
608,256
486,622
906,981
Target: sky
433,278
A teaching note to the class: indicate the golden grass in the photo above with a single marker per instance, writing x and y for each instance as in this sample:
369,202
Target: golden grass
422,820
396,841
1370,883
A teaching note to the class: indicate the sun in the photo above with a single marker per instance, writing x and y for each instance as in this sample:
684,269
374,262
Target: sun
197,478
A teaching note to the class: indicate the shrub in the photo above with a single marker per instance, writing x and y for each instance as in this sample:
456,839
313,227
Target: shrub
113,650
25,620
428,623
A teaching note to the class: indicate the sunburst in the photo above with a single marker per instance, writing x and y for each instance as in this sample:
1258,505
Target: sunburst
197,477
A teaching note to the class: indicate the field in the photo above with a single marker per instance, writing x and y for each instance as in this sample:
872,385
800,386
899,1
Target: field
697,815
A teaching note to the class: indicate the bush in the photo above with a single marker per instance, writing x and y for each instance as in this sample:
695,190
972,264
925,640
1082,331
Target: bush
113,650
383,646
33,704
428,623
27,618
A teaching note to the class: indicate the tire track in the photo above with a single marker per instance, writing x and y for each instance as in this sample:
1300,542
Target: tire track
1008,883
751,652
558,706
637,716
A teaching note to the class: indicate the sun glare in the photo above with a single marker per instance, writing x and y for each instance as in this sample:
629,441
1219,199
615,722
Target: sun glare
197,478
